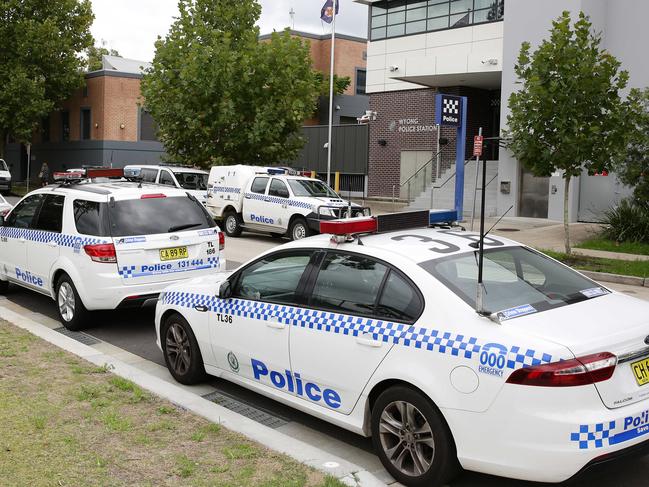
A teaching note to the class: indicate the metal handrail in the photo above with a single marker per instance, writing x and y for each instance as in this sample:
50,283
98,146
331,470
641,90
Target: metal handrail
434,158
451,176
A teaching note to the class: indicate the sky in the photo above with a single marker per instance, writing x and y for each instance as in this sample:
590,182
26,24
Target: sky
132,26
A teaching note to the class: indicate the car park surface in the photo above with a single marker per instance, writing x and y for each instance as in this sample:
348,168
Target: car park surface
131,334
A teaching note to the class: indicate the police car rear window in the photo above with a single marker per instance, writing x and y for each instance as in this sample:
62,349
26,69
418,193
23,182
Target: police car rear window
151,216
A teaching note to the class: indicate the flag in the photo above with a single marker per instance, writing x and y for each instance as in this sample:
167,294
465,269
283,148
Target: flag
327,13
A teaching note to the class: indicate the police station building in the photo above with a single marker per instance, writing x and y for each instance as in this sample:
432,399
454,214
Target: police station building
468,48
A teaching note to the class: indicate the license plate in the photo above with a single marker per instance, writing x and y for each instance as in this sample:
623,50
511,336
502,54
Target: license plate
174,253
641,371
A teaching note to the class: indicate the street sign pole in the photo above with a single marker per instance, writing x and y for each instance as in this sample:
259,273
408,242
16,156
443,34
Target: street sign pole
29,162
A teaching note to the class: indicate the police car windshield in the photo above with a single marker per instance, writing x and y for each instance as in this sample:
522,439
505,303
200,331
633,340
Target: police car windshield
192,180
518,281
151,216
308,187
3,166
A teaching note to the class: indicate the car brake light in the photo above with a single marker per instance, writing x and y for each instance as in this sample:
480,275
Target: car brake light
221,240
104,253
349,226
580,371
153,195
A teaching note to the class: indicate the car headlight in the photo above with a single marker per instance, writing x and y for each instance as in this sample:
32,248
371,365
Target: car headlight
328,211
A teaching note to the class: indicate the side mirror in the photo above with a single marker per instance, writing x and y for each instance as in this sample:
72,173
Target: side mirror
225,290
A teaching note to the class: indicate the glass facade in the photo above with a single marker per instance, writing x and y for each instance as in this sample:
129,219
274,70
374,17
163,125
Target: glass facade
395,18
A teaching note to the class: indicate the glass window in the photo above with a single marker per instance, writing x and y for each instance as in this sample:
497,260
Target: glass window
396,17
85,124
165,178
348,284
361,83
481,16
274,278
22,215
152,216
514,277
65,125
418,14
311,187
438,10
192,180
3,165
50,218
415,4
149,175
438,23
396,30
414,27
399,300
379,33
87,217
379,21
278,188
478,4
379,8
461,6
259,185
460,20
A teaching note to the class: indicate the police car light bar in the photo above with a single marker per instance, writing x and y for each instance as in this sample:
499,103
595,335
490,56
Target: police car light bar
349,226
104,173
69,176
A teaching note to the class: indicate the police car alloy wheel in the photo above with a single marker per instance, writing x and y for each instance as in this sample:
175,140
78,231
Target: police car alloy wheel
411,439
232,225
299,229
72,312
181,352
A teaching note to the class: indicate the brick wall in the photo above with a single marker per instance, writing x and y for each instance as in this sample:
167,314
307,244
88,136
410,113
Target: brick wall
121,97
400,111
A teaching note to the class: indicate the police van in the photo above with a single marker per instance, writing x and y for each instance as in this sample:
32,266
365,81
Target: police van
5,178
270,200
188,178
376,326
94,244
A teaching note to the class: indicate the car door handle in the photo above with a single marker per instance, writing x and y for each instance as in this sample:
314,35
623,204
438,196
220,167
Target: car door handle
248,197
367,341
284,206
202,309
275,325
22,240
266,200
53,244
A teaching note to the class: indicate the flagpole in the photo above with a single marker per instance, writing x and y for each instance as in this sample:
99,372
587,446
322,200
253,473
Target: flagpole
331,92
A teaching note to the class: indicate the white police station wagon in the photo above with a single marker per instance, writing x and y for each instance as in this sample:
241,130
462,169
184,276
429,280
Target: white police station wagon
105,245
378,334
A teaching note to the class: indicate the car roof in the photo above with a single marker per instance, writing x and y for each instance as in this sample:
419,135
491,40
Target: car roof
414,244
100,191
172,168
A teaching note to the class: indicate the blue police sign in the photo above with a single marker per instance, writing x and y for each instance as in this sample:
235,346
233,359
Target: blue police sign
449,110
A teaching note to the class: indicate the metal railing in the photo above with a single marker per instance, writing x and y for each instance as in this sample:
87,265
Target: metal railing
414,179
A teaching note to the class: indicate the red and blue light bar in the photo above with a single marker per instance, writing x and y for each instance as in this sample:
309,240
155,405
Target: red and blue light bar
389,222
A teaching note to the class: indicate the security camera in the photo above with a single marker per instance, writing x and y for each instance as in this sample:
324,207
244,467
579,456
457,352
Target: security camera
491,61
394,68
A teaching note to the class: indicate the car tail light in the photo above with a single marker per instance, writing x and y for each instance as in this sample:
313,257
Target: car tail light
104,253
581,371
221,240
152,196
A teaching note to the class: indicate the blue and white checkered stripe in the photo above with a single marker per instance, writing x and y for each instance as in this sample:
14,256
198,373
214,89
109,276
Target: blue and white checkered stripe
280,201
72,241
405,335
593,436
226,189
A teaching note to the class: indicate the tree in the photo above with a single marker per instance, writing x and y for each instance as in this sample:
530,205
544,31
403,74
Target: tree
322,80
40,62
568,114
219,96
633,169
95,55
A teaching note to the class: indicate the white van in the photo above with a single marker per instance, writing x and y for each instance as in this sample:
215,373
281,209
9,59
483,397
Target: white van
5,177
270,200
191,179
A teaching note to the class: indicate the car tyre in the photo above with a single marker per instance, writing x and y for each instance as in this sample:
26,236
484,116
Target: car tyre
299,229
412,439
181,351
72,313
4,287
232,224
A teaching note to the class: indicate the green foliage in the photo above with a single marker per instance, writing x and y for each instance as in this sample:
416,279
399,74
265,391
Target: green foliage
627,222
633,170
95,54
322,80
221,97
568,113
40,62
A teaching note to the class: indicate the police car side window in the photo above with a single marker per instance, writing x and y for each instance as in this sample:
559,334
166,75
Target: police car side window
278,188
50,217
165,178
274,278
149,175
399,300
348,284
23,214
259,185
87,217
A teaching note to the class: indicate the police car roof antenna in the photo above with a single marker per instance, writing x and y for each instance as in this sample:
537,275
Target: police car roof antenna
481,290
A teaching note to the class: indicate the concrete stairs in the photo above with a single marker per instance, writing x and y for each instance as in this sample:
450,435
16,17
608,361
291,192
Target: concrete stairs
444,198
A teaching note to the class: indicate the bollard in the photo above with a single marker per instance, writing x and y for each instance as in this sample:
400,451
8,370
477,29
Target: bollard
337,182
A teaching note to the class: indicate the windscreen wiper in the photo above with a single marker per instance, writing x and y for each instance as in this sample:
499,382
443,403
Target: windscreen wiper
178,228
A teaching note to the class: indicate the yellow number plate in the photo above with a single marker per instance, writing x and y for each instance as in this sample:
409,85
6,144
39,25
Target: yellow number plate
174,253
641,371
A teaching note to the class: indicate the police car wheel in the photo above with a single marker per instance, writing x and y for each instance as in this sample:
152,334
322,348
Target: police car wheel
412,439
299,229
182,354
72,312
232,225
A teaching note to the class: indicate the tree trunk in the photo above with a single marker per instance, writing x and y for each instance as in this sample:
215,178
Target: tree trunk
566,215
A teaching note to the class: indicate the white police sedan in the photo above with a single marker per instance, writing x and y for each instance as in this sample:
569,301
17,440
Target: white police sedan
378,334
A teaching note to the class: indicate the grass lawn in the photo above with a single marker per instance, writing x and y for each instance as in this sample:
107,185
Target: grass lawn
65,422
623,267
610,246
